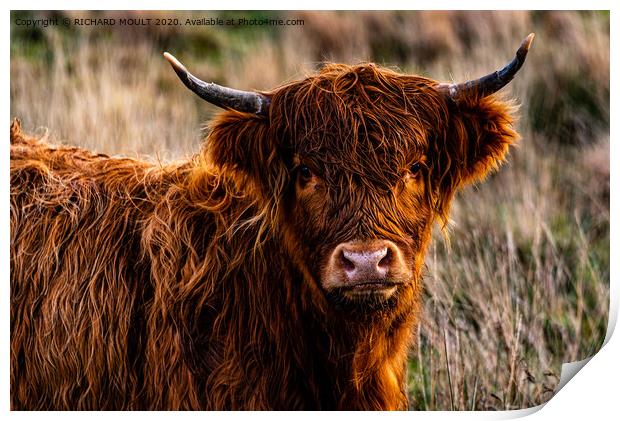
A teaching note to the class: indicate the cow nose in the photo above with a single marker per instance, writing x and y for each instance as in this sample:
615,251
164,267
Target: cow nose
363,264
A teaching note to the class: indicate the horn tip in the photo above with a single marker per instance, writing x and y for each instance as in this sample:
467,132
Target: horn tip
524,48
176,64
527,42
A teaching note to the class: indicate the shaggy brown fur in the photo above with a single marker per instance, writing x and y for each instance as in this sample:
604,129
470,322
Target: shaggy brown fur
198,285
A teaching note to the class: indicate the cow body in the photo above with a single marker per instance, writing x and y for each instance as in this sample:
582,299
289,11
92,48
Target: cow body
113,307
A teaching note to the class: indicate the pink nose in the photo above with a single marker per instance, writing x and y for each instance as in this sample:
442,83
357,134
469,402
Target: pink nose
364,264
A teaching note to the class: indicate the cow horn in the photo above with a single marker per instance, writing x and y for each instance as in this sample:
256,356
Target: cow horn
223,97
490,83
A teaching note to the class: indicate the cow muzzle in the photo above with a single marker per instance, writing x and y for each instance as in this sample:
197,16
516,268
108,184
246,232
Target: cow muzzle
359,269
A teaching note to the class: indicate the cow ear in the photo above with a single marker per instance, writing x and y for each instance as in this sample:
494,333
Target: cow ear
484,132
240,142
478,134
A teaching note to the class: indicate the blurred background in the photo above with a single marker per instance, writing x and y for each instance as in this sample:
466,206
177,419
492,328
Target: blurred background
523,284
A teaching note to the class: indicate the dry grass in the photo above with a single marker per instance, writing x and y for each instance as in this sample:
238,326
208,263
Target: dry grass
523,284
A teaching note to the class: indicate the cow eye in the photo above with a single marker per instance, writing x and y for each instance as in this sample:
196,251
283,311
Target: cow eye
305,173
415,168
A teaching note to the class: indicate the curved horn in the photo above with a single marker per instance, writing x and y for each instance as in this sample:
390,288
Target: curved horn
493,82
223,97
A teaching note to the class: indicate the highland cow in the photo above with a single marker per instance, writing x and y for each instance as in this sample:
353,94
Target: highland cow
279,268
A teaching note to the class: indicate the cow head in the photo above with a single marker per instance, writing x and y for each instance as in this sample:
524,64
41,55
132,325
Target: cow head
357,163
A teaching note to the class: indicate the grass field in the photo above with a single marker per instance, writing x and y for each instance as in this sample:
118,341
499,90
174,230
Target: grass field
523,283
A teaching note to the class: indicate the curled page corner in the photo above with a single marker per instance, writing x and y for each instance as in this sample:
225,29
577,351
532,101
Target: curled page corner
568,372
570,369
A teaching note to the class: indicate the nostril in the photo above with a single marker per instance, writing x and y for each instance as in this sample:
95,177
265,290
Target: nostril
384,263
347,265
